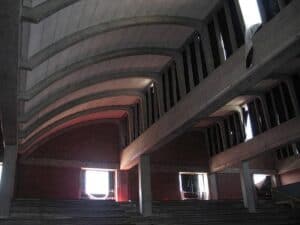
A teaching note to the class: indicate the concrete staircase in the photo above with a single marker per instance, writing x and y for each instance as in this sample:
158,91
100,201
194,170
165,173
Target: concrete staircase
220,212
85,212
70,212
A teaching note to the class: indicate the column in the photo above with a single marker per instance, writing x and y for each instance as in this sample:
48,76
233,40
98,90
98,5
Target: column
248,190
145,195
8,179
213,186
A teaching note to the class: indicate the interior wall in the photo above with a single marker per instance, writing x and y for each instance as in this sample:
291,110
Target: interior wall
229,186
94,143
188,150
290,177
47,182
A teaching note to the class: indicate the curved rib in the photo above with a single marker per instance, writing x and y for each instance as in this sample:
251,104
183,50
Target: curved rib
82,35
44,84
37,140
25,133
41,119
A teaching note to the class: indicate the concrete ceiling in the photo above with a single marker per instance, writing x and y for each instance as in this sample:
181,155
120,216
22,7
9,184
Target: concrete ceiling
90,59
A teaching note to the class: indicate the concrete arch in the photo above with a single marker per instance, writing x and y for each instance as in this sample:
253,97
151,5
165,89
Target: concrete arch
102,28
81,89
108,56
34,119
25,133
44,10
32,144
43,85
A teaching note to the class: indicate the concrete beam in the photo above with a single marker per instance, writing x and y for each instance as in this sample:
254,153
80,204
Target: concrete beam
9,57
39,109
97,78
67,163
104,56
33,127
145,193
248,189
8,179
102,28
274,138
216,90
44,10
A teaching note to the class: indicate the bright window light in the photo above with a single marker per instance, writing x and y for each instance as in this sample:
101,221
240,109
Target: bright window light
251,13
223,46
1,165
203,188
203,185
248,126
96,182
259,178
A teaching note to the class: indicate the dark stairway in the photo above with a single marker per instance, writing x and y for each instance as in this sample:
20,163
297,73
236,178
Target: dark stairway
70,212
220,212
85,212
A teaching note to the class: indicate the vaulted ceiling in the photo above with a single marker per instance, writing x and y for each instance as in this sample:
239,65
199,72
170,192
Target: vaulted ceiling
83,60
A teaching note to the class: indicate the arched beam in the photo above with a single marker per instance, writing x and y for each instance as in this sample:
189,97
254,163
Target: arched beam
25,133
41,119
31,146
44,10
104,56
102,28
44,84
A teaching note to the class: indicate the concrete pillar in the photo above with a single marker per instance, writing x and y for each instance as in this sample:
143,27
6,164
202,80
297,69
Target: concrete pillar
213,186
7,179
248,190
145,195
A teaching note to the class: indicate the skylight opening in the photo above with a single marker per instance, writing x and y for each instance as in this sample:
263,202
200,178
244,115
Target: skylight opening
251,13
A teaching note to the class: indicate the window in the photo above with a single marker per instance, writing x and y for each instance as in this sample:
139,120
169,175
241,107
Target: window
97,183
248,124
263,184
1,165
193,185
251,13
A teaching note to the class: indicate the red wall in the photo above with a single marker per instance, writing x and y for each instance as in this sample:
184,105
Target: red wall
123,186
290,177
47,182
229,186
99,143
165,186
187,150
95,143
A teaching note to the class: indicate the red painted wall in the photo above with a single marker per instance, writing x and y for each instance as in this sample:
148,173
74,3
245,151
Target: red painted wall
229,186
165,186
94,143
187,150
123,186
290,177
47,182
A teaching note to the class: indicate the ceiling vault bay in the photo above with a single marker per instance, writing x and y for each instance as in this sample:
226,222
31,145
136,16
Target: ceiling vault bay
97,64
